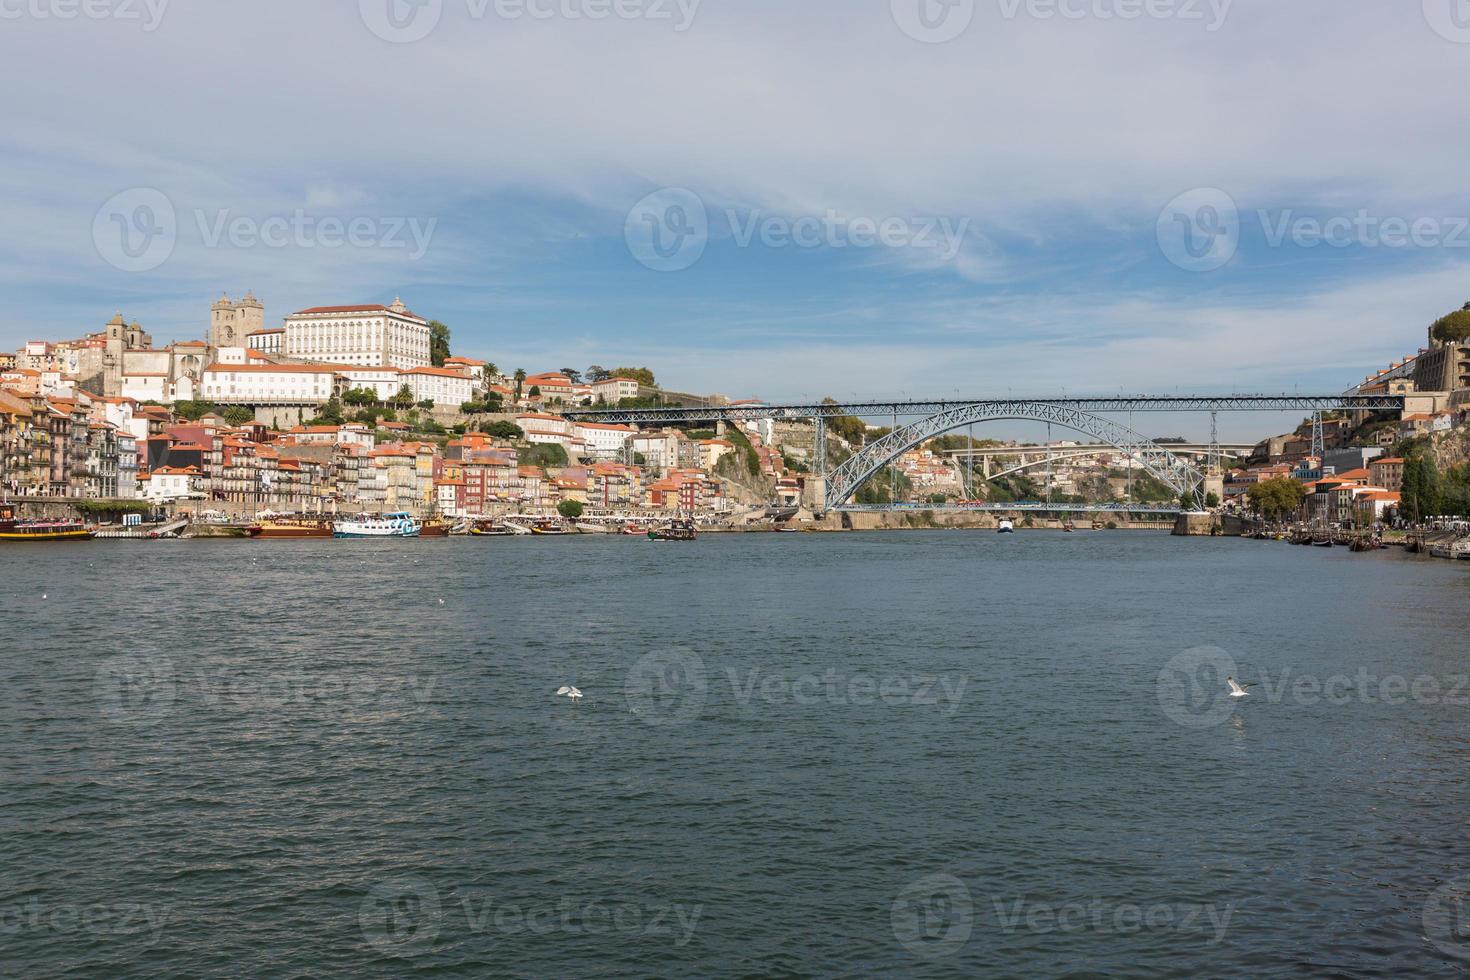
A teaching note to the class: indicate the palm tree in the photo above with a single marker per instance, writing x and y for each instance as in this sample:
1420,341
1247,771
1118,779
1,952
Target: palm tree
520,377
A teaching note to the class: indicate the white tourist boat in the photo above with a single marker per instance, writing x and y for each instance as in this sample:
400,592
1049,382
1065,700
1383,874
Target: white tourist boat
1007,526
400,525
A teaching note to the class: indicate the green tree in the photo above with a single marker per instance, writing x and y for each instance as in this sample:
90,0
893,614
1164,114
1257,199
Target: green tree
404,398
1212,500
360,397
520,379
238,415
543,454
193,411
1453,328
573,375
642,375
438,343
848,427
535,391
504,430
427,404
596,373
330,414
570,509
1420,491
1276,499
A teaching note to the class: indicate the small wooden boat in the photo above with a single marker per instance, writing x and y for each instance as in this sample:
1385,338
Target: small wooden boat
548,527
295,528
433,529
490,529
680,530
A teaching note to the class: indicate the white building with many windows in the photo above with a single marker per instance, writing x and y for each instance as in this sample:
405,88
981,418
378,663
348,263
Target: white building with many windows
265,384
371,336
604,441
442,386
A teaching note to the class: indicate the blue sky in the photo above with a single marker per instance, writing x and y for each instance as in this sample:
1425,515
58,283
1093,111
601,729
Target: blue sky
1074,151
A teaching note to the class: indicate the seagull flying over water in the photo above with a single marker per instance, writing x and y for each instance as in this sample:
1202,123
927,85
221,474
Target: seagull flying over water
1236,691
569,692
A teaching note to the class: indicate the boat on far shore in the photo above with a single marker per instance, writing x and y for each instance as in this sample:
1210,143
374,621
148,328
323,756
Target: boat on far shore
396,525
295,527
1006,526
12,529
676,530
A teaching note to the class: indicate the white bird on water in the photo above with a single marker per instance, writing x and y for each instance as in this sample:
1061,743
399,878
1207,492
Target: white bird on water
569,692
1236,691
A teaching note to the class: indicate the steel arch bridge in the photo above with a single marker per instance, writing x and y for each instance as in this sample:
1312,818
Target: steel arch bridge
841,483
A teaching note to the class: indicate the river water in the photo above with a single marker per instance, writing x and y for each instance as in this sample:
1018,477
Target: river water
938,754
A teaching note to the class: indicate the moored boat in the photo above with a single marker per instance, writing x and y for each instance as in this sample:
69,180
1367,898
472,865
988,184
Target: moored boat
677,530
295,527
434,529
17,530
1007,526
396,525
490,529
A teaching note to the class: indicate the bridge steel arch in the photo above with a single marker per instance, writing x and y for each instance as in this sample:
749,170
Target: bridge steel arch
1174,472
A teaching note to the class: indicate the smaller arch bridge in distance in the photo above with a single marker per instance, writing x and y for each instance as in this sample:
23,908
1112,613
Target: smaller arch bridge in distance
1174,472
